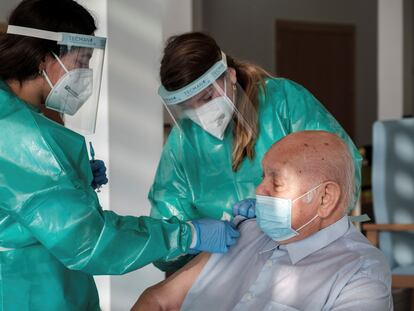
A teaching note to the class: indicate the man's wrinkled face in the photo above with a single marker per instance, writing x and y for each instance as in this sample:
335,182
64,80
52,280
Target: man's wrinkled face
284,179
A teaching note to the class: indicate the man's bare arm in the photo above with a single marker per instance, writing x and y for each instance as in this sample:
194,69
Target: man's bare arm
170,293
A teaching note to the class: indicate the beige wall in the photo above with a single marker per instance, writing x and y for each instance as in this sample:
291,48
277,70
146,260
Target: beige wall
6,7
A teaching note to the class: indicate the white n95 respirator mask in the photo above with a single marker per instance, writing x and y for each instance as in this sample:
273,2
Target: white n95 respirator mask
213,116
71,91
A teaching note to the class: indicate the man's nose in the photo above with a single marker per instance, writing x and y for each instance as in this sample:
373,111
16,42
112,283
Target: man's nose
263,188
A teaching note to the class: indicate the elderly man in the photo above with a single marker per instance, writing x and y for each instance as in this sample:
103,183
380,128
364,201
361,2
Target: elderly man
301,252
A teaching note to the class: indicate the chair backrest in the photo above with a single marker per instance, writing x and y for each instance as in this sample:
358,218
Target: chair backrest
393,186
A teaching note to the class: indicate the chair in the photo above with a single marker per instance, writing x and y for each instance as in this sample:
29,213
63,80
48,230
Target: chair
393,195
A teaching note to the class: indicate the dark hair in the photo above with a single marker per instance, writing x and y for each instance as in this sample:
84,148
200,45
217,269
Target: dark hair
188,56
20,56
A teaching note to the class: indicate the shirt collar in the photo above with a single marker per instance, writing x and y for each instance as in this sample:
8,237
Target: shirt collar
303,248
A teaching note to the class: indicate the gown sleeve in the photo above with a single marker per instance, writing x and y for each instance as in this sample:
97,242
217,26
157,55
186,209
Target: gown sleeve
45,182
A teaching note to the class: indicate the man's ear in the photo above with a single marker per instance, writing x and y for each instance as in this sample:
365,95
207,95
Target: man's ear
233,75
331,192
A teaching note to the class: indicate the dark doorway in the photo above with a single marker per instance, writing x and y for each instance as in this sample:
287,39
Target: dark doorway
321,57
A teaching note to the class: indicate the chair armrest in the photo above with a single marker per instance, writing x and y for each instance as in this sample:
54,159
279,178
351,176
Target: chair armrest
388,227
372,230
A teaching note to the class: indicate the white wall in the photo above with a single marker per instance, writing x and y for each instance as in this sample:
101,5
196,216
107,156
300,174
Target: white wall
135,122
408,57
177,19
136,33
395,58
390,59
245,29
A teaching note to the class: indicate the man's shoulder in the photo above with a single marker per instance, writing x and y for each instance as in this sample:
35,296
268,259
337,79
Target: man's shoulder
355,241
252,239
373,263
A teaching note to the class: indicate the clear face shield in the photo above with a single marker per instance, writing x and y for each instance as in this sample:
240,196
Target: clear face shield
74,78
213,102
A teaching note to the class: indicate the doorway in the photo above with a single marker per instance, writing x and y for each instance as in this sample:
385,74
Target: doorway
321,57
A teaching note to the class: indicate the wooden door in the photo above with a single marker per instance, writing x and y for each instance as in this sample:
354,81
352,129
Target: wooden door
321,57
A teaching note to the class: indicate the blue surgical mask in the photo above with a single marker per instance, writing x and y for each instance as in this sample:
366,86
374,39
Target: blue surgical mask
274,216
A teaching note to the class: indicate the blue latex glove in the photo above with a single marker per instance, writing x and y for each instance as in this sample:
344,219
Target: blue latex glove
213,236
245,208
99,173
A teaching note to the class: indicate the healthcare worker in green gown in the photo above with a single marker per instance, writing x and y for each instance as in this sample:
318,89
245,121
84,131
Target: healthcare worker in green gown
228,113
54,234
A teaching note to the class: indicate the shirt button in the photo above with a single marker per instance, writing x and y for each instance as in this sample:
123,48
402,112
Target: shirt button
269,264
248,296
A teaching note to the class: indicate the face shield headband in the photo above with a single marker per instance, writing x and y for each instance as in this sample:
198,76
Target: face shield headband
195,87
62,38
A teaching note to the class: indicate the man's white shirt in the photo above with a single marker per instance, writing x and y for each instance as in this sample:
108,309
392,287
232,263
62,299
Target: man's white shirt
334,269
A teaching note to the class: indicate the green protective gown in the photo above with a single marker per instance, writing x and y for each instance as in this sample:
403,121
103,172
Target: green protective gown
195,178
51,220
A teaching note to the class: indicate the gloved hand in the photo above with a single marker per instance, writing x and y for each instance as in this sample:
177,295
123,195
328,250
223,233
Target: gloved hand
245,208
213,236
99,173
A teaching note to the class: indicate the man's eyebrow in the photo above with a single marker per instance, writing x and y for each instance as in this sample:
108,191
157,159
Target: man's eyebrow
272,172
